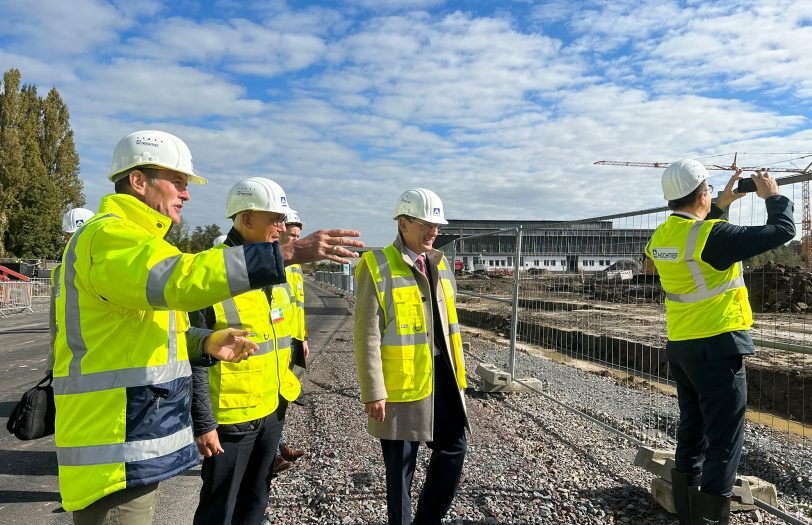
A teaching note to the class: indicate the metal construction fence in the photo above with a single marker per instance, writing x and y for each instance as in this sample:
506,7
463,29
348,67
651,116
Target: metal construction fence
344,280
582,293
40,286
578,308
15,296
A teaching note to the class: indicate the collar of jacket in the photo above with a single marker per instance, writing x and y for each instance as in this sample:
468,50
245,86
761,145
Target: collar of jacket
132,209
434,256
234,238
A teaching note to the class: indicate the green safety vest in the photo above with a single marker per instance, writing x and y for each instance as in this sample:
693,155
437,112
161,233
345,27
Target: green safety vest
250,389
405,348
122,378
700,300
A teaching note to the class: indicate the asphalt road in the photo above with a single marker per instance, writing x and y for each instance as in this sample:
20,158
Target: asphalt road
29,491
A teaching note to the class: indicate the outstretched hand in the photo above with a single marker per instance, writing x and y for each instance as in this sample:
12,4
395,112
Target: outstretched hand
323,245
229,344
728,197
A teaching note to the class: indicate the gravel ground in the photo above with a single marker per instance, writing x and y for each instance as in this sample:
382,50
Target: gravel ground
529,460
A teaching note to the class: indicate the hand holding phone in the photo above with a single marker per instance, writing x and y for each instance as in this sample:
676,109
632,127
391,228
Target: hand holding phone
747,185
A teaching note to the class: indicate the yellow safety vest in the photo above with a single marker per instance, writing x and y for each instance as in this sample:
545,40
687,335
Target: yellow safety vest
295,283
700,300
250,389
121,373
405,348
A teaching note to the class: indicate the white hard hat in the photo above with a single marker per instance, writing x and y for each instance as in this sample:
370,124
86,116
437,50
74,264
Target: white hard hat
256,193
220,239
152,148
682,177
75,218
421,204
293,218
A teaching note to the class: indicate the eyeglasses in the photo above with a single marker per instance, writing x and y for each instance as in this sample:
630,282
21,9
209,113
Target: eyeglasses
709,189
425,225
276,219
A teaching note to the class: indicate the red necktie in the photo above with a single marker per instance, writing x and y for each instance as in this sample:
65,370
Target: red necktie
420,263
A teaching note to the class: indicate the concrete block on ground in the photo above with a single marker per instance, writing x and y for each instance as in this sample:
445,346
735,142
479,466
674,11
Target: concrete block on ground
748,488
660,462
526,384
657,461
492,375
661,492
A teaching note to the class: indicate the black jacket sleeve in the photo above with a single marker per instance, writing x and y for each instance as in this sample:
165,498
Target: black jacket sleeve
728,244
202,414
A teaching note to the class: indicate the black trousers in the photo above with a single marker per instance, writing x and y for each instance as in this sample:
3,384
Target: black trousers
236,482
445,465
712,397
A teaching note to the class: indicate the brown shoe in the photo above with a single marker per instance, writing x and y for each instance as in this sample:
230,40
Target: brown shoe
289,453
280,465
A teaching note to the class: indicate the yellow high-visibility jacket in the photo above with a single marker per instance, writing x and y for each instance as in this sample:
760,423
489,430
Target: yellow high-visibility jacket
405,350
295,283
250,389
121,371
700,300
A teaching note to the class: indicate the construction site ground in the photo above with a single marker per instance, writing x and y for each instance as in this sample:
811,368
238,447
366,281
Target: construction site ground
622,323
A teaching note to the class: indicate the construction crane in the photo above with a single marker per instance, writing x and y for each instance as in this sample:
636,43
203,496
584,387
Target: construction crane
803,175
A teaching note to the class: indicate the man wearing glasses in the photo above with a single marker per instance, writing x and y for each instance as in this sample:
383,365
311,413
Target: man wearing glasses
698,258
239,409
408,353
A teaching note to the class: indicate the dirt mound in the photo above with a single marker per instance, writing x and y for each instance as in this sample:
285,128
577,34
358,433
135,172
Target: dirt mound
779,288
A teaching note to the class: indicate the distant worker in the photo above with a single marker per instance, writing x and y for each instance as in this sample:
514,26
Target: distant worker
708,316
300,351
121,374
239,409
408,353
71,221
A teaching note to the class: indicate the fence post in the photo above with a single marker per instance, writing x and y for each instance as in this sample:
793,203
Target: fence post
514,321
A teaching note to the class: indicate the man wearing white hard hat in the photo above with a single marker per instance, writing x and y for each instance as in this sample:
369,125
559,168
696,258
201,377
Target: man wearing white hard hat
239,409
408,353
71,221
287,454
123,345
698,258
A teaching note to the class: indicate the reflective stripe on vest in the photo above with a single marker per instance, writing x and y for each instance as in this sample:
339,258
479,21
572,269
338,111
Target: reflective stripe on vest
250,389
405,345
702,292
124,452
701,301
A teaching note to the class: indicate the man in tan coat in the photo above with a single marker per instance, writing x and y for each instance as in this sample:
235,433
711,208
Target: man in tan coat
409,357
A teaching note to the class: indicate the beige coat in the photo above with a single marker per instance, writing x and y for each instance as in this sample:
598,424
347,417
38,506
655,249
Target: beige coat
409,421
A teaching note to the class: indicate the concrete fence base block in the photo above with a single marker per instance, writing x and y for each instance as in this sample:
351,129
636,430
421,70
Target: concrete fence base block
661,492
493,379
660,462
657,461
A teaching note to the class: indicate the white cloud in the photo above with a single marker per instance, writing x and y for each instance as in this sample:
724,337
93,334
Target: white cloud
238,45
155,90
348,107
56,27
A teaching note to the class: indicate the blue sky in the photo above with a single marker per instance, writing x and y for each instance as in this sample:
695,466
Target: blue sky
501,107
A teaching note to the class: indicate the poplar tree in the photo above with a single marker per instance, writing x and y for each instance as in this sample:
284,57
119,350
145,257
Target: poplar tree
39,170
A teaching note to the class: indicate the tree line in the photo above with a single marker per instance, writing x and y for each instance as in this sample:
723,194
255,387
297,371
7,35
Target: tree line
39,170
39,176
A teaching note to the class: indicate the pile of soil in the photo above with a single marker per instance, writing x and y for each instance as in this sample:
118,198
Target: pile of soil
779,288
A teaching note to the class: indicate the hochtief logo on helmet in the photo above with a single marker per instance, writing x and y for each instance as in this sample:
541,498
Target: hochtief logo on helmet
436,211
79,222
284,200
